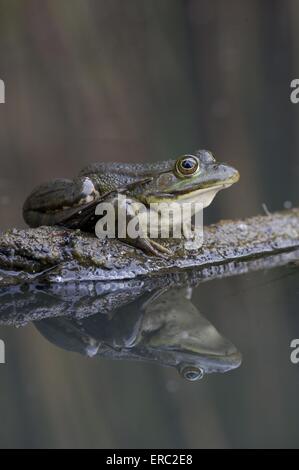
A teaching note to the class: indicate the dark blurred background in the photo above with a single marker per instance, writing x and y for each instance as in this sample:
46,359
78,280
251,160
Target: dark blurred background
142,80
135,80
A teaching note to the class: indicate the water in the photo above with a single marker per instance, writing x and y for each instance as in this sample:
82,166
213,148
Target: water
114,379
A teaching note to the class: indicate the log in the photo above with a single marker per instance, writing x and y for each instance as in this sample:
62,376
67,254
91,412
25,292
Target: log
55,254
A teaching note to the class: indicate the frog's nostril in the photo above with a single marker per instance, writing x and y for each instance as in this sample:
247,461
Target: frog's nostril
228,169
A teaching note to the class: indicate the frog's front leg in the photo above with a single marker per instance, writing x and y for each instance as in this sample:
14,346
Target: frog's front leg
137,223
130,224
150,246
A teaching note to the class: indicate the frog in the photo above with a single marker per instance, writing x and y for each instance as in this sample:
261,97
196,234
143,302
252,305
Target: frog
163,327
72,203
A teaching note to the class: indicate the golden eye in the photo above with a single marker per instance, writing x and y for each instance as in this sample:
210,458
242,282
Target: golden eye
187,165
191,373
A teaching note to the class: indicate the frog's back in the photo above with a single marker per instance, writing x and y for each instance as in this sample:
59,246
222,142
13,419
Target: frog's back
132,171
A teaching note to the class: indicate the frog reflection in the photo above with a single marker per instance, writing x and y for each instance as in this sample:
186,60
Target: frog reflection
165,328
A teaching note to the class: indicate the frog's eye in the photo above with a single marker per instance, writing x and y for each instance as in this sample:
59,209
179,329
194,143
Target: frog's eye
191,373
187,165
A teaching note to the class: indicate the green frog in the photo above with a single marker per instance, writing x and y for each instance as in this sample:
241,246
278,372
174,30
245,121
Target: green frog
164,327
72,203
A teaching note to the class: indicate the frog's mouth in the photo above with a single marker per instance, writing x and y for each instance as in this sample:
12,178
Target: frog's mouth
183,194
203,196
207,186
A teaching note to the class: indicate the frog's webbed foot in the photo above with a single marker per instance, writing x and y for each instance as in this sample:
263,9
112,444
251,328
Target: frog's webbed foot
151,247
193,237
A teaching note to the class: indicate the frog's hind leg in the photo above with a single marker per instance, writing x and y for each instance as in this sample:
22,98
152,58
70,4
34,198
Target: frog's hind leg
52,203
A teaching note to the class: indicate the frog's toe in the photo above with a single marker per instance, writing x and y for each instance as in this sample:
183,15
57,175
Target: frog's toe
157,249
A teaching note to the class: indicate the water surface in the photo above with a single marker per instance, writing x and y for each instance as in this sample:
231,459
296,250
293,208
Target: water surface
111,379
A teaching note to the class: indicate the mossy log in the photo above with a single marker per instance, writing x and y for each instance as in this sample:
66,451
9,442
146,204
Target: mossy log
56,254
